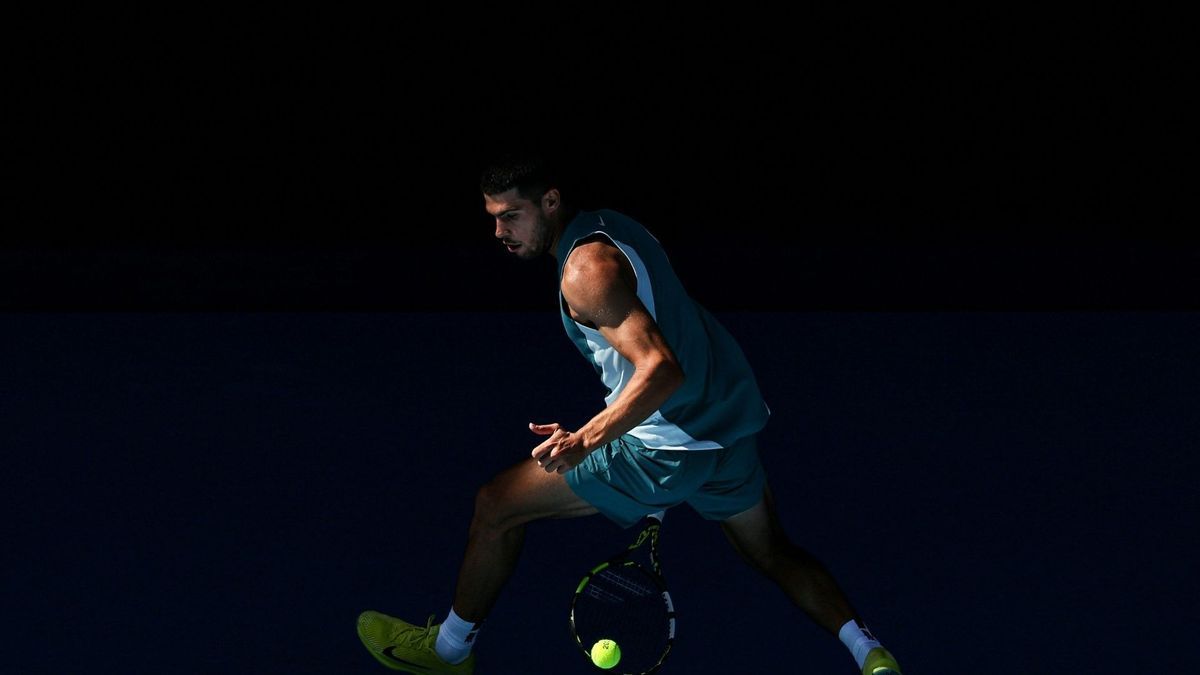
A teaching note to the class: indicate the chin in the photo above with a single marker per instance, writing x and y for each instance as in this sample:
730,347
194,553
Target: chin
527,252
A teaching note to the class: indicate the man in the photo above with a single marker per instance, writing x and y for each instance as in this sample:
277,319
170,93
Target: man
680,425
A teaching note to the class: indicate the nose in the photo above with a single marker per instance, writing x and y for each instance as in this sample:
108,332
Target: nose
500,230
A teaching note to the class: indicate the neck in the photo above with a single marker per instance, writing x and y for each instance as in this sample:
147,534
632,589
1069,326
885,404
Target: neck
560,226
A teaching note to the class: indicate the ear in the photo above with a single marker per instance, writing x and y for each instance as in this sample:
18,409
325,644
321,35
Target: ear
551,200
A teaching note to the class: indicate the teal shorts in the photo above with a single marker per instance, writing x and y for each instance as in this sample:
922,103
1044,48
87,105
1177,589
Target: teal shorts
625,480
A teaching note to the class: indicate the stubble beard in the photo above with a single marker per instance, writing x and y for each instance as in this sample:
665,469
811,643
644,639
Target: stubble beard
539,240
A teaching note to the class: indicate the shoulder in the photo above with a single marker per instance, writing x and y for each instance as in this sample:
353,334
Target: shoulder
593,257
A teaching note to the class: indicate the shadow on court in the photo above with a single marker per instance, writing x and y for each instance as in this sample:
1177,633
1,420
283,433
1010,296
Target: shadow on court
224,493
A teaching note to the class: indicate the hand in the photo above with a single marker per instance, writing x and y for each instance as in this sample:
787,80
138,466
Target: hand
561,452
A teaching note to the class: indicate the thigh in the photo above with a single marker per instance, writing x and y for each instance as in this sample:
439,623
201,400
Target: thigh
524,492
756,531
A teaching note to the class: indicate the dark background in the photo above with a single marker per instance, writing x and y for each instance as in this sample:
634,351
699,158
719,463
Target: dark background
254,314
225,492
314,161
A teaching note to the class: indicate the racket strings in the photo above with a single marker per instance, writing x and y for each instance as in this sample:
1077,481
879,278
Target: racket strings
628,583
625,604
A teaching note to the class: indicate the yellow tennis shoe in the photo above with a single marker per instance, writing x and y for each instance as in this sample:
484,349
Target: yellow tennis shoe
880,662
407,648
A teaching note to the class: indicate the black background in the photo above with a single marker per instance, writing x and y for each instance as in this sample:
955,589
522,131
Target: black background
313,161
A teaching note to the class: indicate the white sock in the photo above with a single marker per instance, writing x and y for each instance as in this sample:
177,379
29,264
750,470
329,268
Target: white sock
858,640
455,638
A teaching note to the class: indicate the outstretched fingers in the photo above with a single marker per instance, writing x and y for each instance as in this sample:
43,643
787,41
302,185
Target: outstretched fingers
543,429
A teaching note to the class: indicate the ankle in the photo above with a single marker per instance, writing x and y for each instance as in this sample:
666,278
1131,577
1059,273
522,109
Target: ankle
456,637
858,640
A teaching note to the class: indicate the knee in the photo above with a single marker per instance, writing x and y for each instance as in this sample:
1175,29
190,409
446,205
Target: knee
784,557
492,508
773,553
764,558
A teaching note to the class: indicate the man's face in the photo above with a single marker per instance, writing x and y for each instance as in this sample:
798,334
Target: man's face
521,224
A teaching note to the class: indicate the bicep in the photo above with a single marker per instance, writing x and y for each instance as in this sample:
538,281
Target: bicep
637,337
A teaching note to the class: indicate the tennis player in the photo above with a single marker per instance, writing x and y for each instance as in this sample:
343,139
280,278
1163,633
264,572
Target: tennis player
680,426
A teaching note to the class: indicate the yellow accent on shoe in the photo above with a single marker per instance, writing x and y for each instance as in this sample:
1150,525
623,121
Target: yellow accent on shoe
407,648
880,662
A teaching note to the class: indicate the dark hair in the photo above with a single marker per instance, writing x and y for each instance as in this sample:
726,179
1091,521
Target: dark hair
531,175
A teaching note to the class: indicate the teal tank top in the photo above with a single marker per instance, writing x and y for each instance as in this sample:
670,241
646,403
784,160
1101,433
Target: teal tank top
719,402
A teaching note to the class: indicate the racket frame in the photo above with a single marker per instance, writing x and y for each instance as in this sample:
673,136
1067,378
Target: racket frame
650,526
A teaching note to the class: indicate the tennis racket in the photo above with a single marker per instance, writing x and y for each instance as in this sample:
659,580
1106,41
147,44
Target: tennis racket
627,601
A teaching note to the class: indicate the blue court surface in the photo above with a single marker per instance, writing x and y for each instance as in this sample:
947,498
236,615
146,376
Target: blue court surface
225,492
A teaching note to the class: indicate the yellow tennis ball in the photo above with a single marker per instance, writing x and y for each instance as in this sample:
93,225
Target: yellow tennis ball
606,654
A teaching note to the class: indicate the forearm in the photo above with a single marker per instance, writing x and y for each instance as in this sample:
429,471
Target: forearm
645,393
